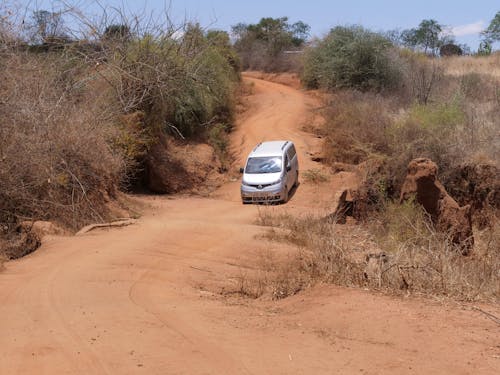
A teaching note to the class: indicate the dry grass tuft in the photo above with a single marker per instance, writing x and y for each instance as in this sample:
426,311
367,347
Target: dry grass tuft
315,176
461,65
400,253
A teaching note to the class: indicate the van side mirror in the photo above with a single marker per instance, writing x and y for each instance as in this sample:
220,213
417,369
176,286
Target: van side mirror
288,168
241,170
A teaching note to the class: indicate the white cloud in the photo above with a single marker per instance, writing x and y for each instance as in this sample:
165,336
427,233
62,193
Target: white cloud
469,29
177,34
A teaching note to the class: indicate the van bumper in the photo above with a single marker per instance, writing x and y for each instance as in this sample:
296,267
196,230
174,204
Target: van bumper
270,194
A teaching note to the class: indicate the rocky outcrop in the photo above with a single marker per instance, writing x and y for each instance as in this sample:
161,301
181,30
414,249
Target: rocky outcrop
421,183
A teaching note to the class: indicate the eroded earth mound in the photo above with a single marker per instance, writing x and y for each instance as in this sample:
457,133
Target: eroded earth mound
421,183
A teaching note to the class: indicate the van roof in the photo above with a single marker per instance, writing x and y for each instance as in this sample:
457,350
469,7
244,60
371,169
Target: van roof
270,148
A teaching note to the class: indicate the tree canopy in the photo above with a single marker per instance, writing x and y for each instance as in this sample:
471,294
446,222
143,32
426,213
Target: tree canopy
492,32
260,43
427,36
349,57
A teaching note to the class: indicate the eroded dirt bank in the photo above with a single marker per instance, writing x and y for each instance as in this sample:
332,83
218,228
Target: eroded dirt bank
150,298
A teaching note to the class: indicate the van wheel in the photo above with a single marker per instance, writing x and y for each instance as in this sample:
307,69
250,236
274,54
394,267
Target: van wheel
296,183
285,195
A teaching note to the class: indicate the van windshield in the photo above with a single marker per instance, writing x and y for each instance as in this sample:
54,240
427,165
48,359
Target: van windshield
268,164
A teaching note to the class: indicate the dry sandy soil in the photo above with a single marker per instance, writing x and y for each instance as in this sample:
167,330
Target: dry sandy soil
144,299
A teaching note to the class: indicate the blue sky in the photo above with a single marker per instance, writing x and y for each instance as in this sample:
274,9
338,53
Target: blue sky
466,18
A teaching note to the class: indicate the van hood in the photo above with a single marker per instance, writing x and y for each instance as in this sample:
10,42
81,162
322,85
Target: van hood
261,178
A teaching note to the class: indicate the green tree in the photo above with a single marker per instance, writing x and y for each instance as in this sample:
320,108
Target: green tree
484,48
260,44
349,57
117,31
300,33
221,41
427,36
492,32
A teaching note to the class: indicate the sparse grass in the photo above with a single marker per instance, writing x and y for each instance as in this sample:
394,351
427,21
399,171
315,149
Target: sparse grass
315,176
424,261
461,65
400,253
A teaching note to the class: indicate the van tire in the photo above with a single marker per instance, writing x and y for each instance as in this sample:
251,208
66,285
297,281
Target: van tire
285,195
296,183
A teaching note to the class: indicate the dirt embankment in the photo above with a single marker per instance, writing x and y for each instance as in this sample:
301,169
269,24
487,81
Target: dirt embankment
153,297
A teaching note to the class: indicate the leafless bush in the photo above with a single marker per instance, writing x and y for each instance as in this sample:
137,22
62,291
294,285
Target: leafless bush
420,75
358,126
57,162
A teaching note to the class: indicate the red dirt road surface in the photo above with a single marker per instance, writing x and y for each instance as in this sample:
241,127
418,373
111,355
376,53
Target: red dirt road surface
143,299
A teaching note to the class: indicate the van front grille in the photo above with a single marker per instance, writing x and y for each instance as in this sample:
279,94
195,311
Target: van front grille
260,186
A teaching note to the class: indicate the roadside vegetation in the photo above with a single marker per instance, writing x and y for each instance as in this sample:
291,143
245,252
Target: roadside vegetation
393,105
84,110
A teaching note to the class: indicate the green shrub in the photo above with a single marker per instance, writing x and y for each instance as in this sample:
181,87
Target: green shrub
179,84
438,117
351,57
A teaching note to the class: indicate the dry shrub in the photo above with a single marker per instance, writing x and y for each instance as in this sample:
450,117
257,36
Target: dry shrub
3,257
79,117
357,126
420,75
400,253
218,138
315,176
322,254
57,163
421,260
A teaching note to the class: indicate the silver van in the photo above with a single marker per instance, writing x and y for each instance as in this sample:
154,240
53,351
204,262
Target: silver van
270,172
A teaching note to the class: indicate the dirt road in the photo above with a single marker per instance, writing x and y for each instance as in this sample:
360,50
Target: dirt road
143,299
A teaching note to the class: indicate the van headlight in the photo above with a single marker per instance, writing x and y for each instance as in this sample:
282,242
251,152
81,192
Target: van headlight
276,182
